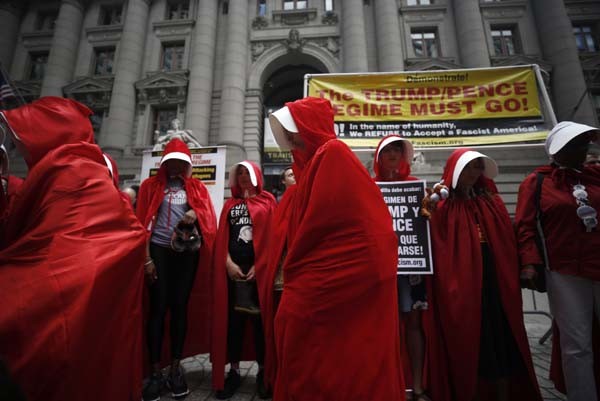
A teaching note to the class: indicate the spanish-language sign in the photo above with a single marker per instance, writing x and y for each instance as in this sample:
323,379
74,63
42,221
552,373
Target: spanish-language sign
208,165
403,199
438,108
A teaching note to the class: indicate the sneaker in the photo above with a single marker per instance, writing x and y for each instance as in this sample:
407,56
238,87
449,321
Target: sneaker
177,384
232,383
261,389
153,387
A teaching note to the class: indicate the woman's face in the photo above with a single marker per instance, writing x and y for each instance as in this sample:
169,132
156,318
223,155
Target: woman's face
243,178
295,140
471,173
390,156
288,178
574,152
176,167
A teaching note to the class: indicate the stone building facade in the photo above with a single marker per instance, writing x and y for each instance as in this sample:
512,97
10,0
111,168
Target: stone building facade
217,65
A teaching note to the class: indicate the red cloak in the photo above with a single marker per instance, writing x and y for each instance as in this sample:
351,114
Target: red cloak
260,208
71,274
266,279
336,329
150,197
457,286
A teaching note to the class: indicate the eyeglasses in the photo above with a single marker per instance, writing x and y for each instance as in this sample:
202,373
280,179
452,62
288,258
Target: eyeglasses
586,213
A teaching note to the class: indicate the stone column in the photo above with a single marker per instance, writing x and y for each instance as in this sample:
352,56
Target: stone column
559,48
470,34
10,15
233,89
199,99
119,124
389,42
354,37
63,53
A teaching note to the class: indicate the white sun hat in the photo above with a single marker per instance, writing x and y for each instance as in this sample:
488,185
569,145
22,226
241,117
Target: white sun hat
563,133
490,168
280,121
407,147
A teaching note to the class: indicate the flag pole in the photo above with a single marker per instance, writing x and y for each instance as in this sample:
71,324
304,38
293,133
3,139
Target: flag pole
10,83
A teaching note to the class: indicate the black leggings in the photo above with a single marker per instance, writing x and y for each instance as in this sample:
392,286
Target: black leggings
176,272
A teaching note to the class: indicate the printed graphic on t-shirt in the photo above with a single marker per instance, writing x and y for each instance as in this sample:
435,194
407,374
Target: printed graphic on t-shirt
241,247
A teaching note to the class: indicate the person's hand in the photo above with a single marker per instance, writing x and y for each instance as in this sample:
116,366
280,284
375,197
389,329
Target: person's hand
189,217
251,274
235,272
150,271
528,272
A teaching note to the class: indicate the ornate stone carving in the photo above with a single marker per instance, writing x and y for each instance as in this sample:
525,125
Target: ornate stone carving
331,44
294,17
173,29
104,34
94,92
293,42
329,18
162,88
259,22
185,135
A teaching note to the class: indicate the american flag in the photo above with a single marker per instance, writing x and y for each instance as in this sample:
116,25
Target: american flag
6,91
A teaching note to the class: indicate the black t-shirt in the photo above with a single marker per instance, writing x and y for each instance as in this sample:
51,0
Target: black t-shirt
241,247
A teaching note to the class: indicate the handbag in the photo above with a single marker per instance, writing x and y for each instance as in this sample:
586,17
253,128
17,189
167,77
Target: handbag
185,238
539,282
246,297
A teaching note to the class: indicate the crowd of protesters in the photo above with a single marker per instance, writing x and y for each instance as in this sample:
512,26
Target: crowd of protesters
101,287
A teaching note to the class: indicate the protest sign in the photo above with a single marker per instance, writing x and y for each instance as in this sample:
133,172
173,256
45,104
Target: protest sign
403,199
438,108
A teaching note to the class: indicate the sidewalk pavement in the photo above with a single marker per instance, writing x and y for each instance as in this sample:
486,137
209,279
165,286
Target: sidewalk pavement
198,368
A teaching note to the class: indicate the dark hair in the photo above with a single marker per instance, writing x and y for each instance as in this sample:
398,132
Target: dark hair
136,188
282,175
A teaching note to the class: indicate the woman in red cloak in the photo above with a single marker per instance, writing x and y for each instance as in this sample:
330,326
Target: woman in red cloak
336,328
481,348
393,157
178,276
569,198
240,253
71,257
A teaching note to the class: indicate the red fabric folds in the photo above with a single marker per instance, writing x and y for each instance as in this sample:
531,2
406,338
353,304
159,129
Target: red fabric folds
457,286
71,274
336,329
260,208
150,197
266,279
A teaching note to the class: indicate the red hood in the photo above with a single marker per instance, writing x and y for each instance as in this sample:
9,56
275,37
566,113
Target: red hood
255,175
48,123
403,167
177,149
314,119
482,183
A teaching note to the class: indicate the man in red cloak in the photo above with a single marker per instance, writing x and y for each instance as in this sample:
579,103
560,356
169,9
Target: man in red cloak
71,258
480,345
336,329
240,254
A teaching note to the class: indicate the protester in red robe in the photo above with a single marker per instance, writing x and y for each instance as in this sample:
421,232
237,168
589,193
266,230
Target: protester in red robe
569,198
240,253
71,256
336,329
481,349
271,281
10,183
393,157
178,275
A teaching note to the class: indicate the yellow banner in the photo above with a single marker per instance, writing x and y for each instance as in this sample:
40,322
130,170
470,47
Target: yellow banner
430,96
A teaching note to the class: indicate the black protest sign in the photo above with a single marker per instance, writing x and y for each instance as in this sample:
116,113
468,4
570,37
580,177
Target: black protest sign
403,199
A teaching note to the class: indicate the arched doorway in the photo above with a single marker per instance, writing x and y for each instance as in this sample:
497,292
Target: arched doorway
282,81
